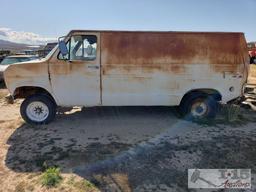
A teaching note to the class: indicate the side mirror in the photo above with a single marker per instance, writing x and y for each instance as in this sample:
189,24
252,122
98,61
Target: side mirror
63,48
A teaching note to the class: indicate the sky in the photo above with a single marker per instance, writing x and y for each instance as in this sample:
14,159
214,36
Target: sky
40,21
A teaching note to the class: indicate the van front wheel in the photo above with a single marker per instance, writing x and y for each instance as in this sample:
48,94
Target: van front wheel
199,107
38,109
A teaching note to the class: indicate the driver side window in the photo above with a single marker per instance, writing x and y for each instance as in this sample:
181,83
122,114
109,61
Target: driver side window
83,47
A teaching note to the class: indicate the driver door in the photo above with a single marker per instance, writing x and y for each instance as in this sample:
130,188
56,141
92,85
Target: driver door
76,78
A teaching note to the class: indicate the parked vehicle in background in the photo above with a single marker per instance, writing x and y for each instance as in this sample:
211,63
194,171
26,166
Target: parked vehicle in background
252,52
14,59
1,58
194,70
3,54
46,50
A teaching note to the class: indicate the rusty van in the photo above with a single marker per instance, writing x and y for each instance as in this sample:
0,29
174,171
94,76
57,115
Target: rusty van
192,70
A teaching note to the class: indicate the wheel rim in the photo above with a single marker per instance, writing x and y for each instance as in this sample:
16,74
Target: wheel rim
199,109
37,111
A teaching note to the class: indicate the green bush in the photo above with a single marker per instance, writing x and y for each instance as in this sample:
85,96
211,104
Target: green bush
51,177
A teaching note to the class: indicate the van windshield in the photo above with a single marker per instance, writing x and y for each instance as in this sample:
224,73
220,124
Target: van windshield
51,52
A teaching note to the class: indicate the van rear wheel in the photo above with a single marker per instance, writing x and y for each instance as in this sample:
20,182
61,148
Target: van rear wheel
38,109
199,107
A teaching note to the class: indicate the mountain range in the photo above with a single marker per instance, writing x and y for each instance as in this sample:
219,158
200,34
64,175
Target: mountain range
8,45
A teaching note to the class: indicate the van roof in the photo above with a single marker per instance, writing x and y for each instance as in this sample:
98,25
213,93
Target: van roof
130,31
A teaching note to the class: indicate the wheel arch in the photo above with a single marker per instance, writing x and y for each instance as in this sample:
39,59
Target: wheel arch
25,91
203,92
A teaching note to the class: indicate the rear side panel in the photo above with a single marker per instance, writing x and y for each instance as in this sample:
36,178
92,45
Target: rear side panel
157,68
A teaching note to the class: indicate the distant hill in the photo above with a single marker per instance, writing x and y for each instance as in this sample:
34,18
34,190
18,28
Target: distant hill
7,45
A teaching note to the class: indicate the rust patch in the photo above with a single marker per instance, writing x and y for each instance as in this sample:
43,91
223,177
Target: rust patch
143,69
22,71
31,68
61,69
151,51
177,68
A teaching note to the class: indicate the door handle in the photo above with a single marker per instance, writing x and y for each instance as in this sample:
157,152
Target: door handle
93,67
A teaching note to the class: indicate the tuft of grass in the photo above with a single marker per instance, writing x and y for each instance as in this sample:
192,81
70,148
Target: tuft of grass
51,177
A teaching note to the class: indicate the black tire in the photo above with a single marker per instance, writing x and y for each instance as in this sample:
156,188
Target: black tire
190,101
41,98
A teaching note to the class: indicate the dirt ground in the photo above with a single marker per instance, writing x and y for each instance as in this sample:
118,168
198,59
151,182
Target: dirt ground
120,148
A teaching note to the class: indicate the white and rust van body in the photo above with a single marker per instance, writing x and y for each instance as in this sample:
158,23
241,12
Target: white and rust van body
124,68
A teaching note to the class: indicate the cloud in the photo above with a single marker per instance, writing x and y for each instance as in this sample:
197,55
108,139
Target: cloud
24,37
